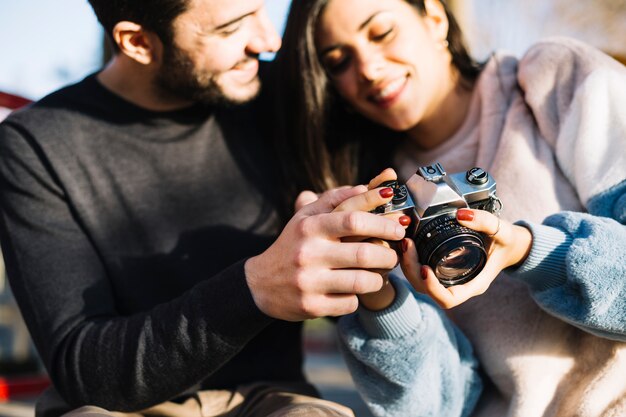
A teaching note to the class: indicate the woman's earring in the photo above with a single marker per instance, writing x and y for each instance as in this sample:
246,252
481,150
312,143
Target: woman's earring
444,44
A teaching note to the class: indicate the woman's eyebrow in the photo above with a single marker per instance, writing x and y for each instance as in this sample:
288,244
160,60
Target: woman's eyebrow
369,19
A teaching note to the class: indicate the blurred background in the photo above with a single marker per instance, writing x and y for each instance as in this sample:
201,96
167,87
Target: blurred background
46,44
515,24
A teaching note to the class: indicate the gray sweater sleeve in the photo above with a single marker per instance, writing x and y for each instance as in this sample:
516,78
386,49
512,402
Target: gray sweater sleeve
576,269
409,360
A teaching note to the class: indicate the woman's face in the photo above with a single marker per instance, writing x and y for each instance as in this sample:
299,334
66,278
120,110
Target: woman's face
385,59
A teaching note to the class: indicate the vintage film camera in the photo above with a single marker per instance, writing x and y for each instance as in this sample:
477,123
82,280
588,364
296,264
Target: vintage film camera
431,198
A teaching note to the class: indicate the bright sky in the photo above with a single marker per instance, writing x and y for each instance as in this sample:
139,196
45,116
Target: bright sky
45,44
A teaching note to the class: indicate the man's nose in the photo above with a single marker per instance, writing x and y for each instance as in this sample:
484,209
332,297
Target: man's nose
266,38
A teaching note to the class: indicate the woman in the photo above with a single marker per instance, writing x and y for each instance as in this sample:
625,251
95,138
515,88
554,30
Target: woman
372,83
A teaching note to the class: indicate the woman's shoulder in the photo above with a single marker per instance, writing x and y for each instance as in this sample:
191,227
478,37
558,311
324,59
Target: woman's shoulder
559,66
563,57
561,45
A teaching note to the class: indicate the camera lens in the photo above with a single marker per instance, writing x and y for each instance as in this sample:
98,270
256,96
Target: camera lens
455,253
461,263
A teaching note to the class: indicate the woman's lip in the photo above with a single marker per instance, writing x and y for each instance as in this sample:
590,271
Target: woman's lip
388,95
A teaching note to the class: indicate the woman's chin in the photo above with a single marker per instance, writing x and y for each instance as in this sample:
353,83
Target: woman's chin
398,125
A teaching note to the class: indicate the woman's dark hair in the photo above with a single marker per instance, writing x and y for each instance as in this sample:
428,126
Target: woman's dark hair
327,144
156,15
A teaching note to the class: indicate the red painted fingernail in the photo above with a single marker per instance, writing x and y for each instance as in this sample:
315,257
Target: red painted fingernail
424,271
405,220
465,214
386,192
405,245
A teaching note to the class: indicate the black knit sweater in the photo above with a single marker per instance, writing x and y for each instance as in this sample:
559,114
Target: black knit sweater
124,233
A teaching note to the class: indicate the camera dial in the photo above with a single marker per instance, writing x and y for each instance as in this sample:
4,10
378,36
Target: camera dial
477,176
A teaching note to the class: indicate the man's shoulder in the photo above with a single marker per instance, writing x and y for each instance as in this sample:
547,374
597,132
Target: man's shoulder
59,104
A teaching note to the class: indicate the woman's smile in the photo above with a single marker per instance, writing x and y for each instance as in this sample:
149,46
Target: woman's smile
389,93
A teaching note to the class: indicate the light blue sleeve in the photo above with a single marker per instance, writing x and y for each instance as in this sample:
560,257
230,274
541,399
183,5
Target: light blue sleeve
576,269
410,360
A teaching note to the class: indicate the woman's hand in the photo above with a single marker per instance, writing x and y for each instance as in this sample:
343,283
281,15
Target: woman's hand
509,246
366,201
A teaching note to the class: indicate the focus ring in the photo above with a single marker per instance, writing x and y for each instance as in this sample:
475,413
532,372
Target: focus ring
438,230
434,237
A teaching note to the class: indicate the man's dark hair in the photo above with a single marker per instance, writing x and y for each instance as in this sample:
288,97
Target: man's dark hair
156,16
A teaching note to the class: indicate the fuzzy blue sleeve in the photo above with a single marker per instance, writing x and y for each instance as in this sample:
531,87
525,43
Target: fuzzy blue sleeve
576,268
410,360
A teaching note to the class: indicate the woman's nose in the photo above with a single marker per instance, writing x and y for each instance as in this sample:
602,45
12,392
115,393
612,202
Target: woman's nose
370,65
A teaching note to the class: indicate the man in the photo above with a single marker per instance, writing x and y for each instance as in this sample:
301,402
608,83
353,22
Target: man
137,221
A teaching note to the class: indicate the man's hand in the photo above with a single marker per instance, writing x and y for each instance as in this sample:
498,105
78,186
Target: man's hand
310,272
383,298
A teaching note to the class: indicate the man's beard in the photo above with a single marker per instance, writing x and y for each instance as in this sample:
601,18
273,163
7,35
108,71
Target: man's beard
179,79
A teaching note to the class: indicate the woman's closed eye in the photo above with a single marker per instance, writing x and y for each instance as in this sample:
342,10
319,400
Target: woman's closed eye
381,27
381,35
377,31
336,62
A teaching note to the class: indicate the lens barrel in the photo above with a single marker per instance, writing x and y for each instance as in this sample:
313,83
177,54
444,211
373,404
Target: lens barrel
455,253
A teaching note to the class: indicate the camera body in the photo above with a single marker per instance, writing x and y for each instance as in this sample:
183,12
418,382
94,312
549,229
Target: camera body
431,198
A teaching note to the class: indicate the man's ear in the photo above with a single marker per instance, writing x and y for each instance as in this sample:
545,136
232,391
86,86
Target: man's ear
136,42
436,19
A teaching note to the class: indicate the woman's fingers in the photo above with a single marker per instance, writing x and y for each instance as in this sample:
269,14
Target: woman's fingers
410,265
304,198
480,220
425,281
367,201
435,290
509,246
449,297
511,242
330,200
386,175
371,199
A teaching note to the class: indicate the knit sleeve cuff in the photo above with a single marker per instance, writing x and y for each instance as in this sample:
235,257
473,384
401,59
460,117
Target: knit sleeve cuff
399,319
545,266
